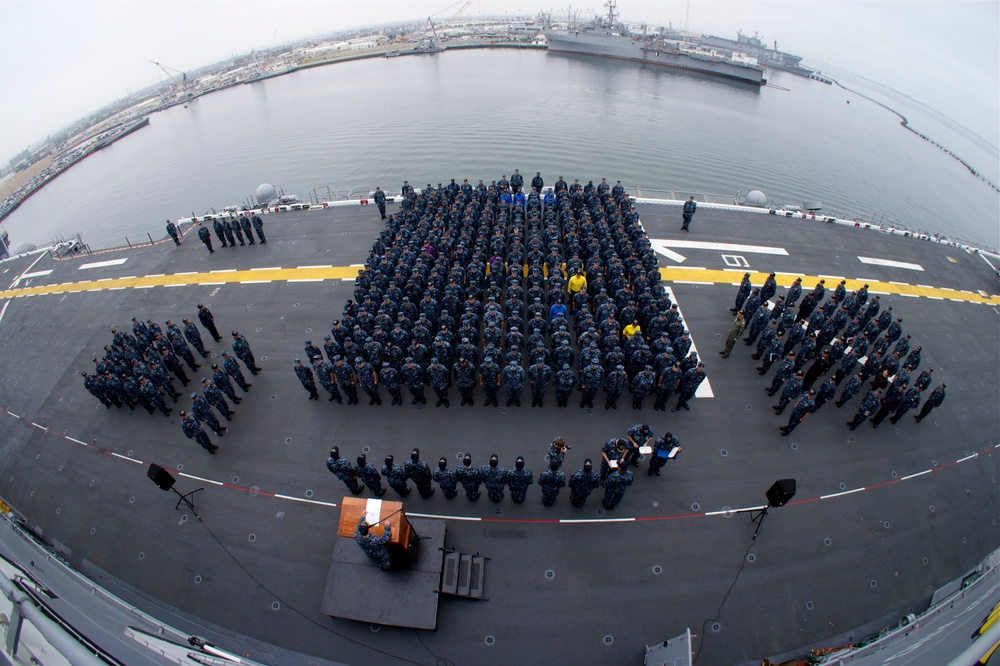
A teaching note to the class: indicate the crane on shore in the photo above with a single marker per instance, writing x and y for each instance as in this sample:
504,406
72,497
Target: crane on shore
182,84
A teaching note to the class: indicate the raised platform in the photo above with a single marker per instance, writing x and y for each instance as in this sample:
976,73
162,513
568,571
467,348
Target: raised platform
356,589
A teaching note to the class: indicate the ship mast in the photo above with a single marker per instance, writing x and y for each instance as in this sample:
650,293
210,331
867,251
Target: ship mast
612,5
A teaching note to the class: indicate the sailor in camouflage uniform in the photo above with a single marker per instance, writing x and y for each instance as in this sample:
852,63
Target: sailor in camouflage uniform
193,336
494,478
342,469
346,378
414,376
869,406
395,476
439,378
420,472
465,378
803,408
550,481
392,383
327,379
565,381
204,413
518,480
851,389
615,486
539,374
582,482
221,380
642,385
470,477
305,376
446,479
153,397
374,546
242,349
590,381
369,476
205,237
192,430
614,385
213,396
489,379
663,444
513,379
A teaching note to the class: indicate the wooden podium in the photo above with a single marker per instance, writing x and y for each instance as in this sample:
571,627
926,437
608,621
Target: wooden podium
403,537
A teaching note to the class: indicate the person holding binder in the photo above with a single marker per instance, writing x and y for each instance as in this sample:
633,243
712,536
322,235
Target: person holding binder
664,448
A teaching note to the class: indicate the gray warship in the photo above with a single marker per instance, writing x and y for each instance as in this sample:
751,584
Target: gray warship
606,37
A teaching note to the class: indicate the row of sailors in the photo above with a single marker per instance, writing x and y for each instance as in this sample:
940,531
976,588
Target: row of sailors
338,376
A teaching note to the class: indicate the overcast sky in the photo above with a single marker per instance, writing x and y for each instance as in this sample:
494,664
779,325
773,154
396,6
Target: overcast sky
60,61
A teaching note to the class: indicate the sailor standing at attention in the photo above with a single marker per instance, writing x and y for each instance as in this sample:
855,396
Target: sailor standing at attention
689,208
380,200
172,230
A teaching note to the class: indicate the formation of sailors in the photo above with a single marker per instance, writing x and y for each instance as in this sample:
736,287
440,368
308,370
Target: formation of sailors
228,229
848,334
618,455
139,369
492,287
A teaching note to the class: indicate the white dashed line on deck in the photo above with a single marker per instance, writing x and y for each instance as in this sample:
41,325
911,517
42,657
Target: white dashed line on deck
103,264
890,263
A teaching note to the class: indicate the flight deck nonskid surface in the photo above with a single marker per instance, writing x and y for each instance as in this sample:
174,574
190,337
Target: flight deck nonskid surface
565,585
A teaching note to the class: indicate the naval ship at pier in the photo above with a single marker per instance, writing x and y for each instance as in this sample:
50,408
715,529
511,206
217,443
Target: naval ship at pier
608,38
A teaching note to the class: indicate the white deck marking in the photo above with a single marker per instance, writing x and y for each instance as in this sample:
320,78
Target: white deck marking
845,492
913,476
721,247
890,263
36,274
306,501
102,264
705,388
669,254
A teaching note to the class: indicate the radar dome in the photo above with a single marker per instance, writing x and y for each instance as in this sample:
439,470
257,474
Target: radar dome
265,193
755,198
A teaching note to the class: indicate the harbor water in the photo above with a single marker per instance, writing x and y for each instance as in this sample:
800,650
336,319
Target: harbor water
482,113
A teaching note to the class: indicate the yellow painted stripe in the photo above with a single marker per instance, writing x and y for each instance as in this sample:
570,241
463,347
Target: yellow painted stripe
276,274
669,274
675,274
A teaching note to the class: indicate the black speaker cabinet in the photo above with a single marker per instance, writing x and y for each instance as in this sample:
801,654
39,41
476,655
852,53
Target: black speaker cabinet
165,481
780,492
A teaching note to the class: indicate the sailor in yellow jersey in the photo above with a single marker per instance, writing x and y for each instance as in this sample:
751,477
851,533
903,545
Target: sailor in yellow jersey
631,329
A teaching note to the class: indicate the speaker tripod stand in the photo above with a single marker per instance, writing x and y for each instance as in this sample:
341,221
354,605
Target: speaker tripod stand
185,499
758,519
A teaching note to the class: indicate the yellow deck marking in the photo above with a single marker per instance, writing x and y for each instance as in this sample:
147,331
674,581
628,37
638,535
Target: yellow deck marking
671,274
320,273
179,279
